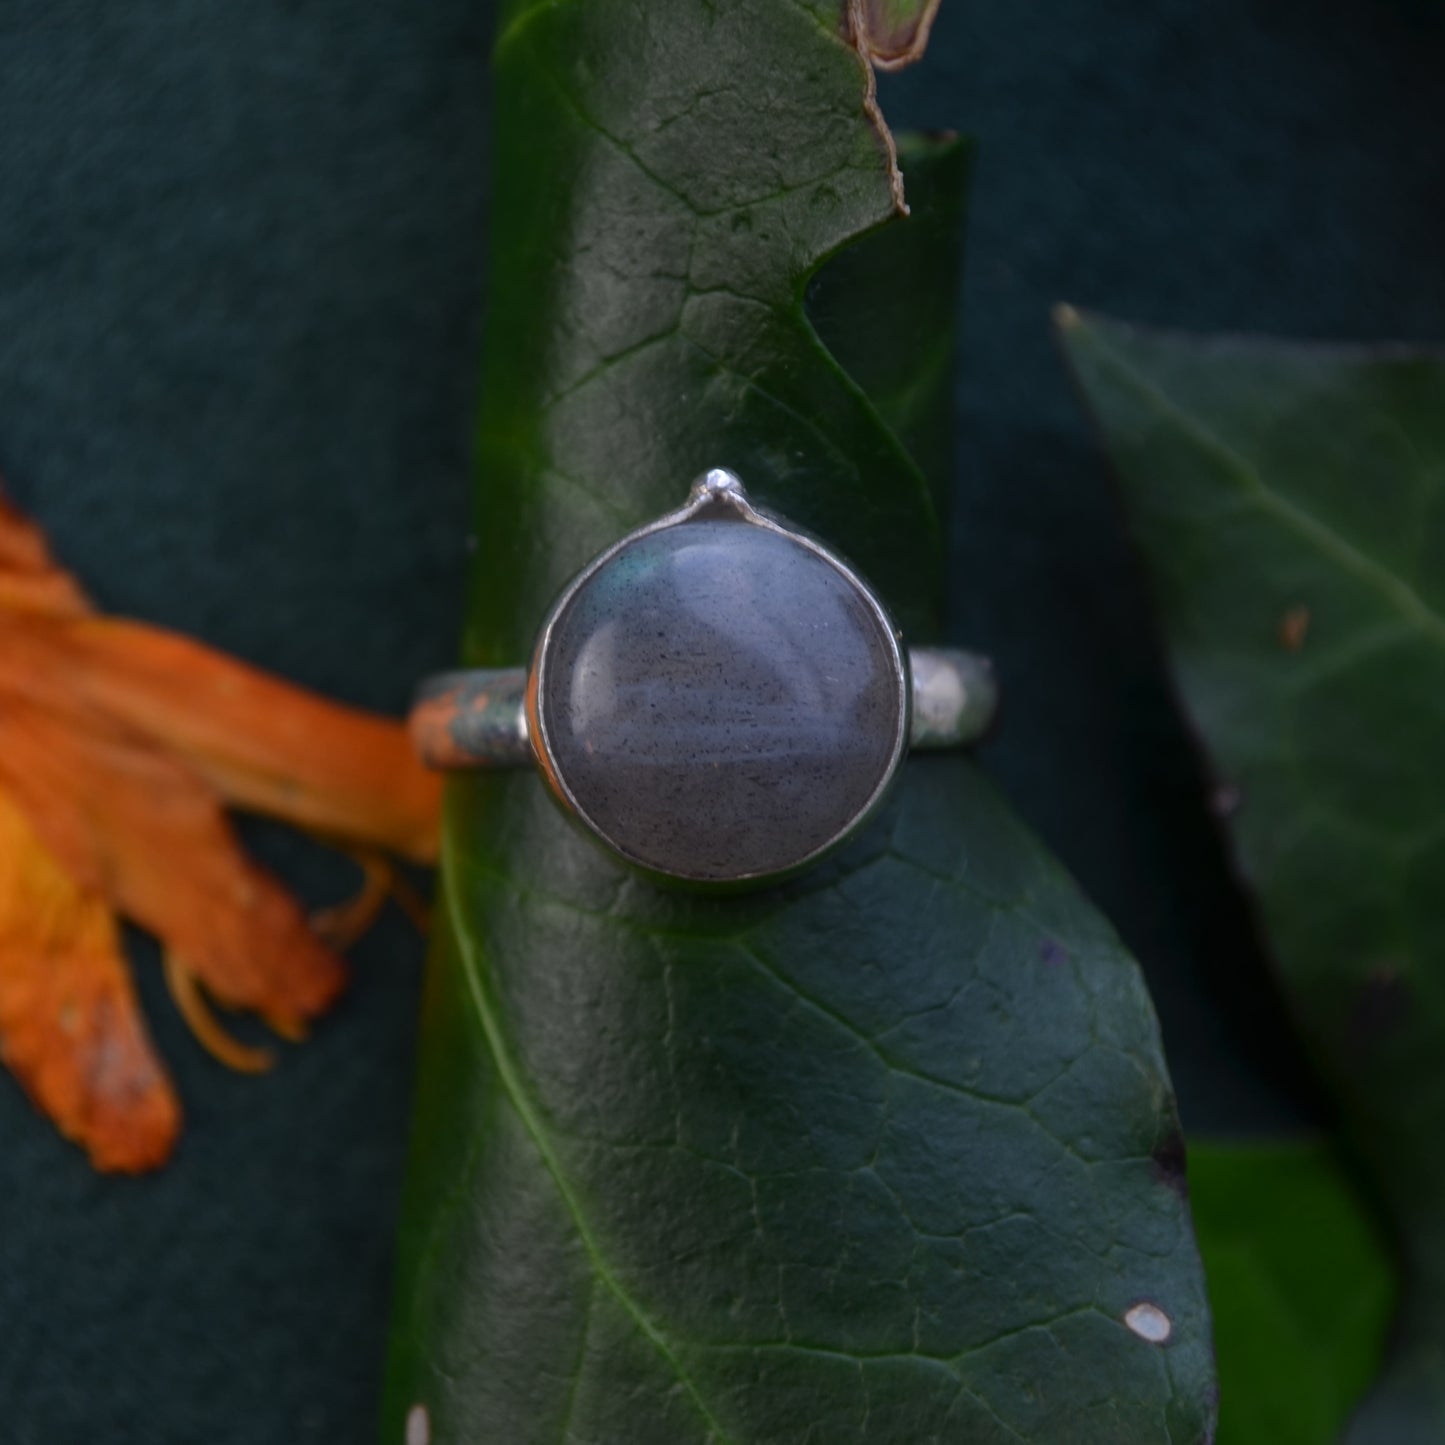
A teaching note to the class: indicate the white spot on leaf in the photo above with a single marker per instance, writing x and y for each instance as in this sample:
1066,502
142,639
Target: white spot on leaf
418,1426
1147,1321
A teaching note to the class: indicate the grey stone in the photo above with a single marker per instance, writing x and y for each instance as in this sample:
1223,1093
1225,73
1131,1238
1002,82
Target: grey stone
720,701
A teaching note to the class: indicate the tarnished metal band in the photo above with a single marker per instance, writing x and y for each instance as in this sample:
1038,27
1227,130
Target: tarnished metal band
474,719
478,719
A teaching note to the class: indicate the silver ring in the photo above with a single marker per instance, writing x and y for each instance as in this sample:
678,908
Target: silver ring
717,697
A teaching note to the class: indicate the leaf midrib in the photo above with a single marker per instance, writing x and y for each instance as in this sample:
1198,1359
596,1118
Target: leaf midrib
1291,515
509,1074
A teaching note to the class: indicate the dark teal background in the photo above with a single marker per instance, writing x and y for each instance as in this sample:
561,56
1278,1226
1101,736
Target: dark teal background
241,262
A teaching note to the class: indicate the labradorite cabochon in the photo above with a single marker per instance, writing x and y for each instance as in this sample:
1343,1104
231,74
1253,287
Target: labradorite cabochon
720,701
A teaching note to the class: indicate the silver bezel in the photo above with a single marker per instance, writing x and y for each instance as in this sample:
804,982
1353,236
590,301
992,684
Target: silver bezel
716,494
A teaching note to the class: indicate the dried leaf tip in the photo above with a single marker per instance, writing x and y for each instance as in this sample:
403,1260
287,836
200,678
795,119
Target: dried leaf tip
894,33
858,26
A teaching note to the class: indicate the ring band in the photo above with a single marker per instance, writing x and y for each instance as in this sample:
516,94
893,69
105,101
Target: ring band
717,697
475,719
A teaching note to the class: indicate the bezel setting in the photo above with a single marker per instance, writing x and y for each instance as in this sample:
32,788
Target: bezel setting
716,495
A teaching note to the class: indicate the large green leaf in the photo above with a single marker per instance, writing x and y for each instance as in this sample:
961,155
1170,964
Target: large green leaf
1290,504
1300,1286
886,1155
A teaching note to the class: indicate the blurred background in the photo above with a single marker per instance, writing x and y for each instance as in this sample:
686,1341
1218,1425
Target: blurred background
242,256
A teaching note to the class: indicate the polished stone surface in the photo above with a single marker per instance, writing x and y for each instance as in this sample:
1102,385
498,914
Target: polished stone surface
720,701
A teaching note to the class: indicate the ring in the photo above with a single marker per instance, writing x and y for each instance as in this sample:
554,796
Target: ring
717,697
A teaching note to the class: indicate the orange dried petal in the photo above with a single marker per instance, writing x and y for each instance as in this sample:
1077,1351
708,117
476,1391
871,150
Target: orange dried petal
119,743
70,1027
343,924
262,743
140,828
205,1027
30,578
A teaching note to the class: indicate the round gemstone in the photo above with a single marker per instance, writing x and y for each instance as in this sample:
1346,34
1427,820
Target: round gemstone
720,701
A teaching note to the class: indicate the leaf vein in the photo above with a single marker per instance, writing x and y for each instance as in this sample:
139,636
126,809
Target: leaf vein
1289,514
507,1072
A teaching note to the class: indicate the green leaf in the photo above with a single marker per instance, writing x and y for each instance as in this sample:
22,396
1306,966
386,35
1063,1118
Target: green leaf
1290,504
884,307
1300,1285
886,1155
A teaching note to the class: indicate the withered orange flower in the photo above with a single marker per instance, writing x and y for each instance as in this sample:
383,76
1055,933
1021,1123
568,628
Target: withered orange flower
120,745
